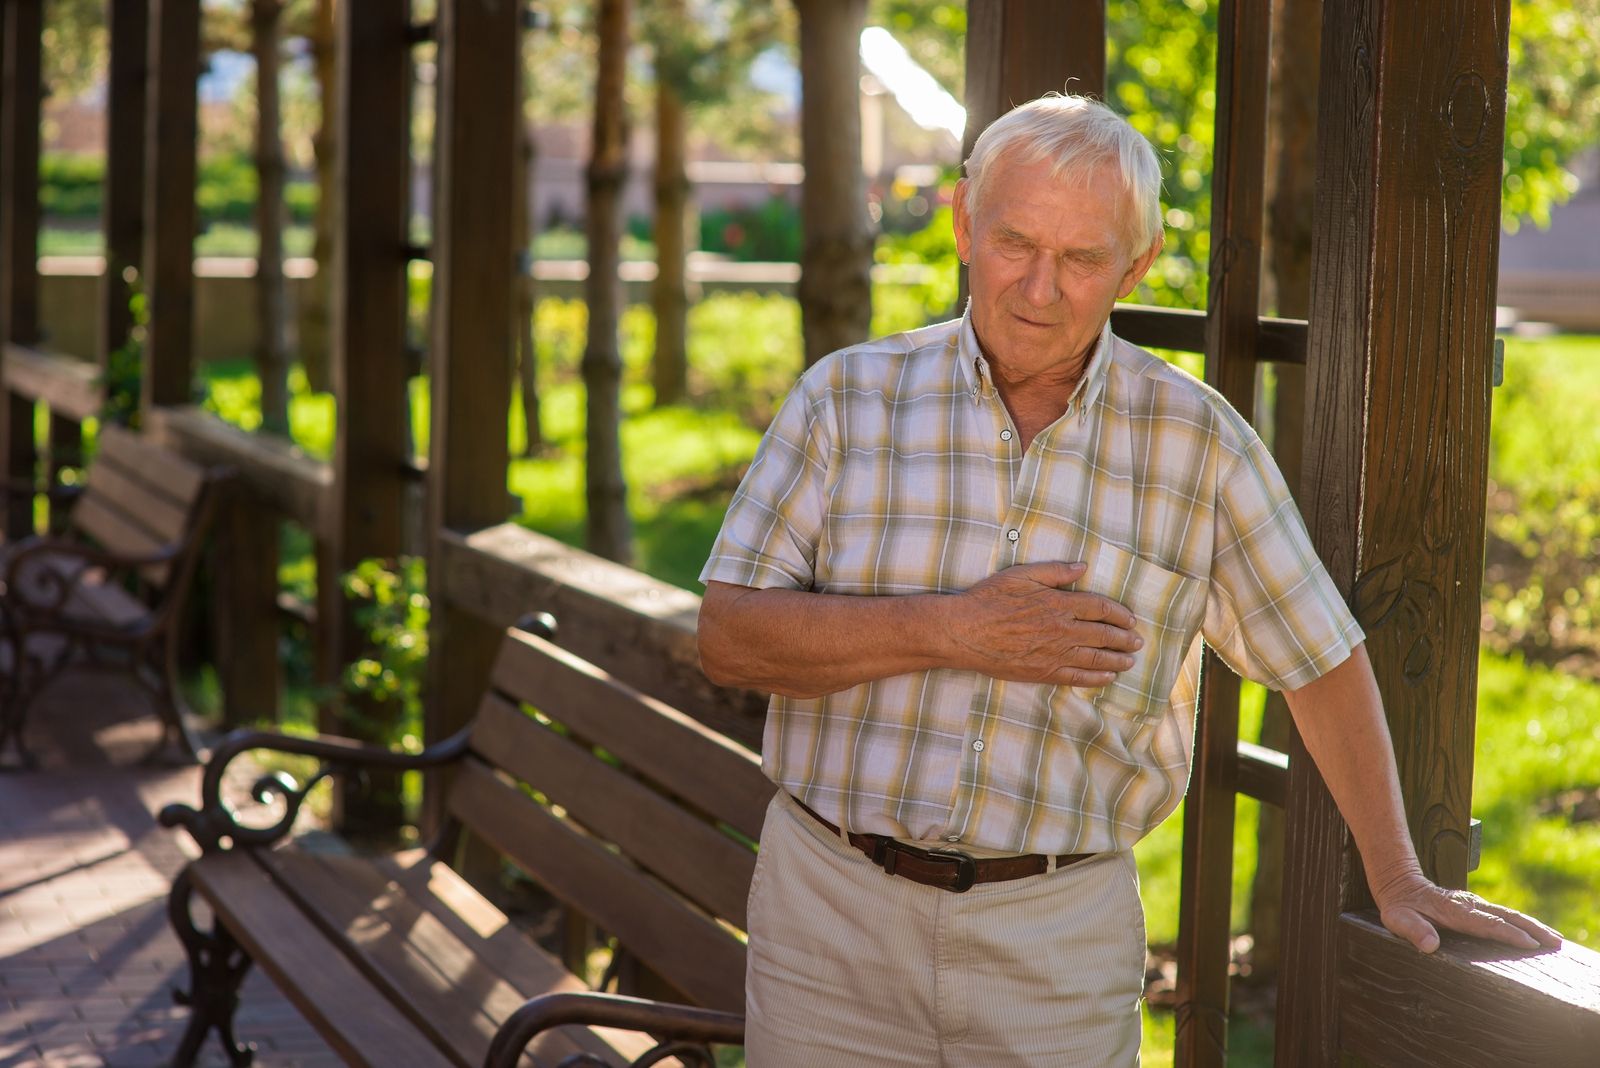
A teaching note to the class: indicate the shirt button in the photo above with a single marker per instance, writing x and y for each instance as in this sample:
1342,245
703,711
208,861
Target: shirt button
1012,535
1005,435
977,746
952,838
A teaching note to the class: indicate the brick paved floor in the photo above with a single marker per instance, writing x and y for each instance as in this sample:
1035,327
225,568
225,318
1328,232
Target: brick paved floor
88,962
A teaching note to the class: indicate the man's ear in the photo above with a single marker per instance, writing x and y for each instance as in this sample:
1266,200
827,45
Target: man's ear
962,220
1141,266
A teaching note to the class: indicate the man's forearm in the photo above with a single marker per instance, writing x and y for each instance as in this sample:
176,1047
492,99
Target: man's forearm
802,644
1340,719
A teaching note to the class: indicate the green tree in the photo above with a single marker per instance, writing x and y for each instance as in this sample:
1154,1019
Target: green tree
1552,103
702,54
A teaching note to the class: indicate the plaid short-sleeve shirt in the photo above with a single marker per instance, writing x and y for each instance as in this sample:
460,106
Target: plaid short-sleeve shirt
893,468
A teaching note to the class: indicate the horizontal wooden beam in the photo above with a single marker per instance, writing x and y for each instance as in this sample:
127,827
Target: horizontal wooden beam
639,628
276,472
1470,1004
68,385
1277,340
1263,773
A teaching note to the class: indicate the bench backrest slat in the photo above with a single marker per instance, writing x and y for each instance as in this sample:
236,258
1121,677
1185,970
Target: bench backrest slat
673,750
671,842
165,520
692,951
166,473
140,499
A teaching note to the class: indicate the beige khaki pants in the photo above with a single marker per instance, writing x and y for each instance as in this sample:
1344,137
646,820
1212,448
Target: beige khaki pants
849,966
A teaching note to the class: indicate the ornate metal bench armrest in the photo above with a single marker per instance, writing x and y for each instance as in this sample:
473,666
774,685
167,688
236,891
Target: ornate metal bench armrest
215,825
32,585
681,1030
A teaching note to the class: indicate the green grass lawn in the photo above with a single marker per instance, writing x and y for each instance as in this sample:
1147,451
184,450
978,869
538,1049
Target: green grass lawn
1538,740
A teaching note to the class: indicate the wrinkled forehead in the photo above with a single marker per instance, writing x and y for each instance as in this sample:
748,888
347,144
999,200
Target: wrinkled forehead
1025,189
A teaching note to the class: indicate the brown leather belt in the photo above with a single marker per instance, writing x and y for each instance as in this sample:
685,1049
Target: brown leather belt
947,869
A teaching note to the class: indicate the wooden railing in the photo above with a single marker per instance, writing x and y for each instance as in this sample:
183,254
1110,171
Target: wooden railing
638,627
71,387
271,480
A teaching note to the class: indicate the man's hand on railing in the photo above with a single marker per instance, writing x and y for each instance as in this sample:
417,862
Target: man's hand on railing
1414,908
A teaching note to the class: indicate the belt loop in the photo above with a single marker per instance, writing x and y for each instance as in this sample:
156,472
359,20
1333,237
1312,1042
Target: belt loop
1049,863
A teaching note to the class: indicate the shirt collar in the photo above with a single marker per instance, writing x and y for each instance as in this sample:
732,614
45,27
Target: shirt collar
980,382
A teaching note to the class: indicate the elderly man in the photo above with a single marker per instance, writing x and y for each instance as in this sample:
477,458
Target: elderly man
971,563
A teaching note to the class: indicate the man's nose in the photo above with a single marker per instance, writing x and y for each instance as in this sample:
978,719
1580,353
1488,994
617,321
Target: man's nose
1039,284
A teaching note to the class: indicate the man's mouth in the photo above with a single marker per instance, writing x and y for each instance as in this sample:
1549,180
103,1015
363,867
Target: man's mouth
1032,322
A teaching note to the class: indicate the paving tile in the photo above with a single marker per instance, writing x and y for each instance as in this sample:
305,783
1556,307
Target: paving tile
88,960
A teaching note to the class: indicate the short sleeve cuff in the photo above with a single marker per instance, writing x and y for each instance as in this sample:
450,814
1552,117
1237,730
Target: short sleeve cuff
1326,659
756,574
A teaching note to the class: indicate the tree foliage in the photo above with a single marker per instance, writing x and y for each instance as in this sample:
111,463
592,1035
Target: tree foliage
1552,103
1161,73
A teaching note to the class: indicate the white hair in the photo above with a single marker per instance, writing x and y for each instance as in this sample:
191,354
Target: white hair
1077,135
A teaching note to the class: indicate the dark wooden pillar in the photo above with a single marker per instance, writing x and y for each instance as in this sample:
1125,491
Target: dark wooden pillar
473,259
1231,334
244,573
170,200
123,218
1021,49
369,337
20,93
1411,121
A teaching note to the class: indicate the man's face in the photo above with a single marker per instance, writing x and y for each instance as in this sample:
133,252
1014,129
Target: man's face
1047,261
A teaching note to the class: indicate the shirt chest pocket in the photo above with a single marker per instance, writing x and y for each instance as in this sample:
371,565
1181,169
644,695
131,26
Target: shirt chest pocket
1169,608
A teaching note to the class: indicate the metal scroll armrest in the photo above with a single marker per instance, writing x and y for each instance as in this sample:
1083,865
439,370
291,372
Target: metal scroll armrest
216,826
681,1031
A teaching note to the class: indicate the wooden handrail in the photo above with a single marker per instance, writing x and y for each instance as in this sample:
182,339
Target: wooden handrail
277,472
1263,773
635,626
70,386
1277,340
1470,1004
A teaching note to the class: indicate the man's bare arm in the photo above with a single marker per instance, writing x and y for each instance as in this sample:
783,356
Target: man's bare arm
1340,717
1019,624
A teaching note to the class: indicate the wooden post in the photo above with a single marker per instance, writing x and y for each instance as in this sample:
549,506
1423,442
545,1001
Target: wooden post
1021,49
123,218
473,261
369,334
170,200
245,586
20,92
1018,50
1402,323
1231,331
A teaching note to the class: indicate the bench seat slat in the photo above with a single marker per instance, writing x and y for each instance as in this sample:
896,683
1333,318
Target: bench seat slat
495,940
689,950
702,862
683,755
108,528
356,1020
440,981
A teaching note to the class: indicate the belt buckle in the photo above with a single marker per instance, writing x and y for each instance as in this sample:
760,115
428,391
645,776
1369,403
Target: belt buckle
966,868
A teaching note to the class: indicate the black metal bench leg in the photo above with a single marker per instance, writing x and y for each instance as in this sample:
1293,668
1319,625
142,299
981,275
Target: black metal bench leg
217,967
17,695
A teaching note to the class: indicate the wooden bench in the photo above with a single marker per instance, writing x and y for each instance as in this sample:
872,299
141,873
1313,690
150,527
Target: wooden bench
112,585
630,813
